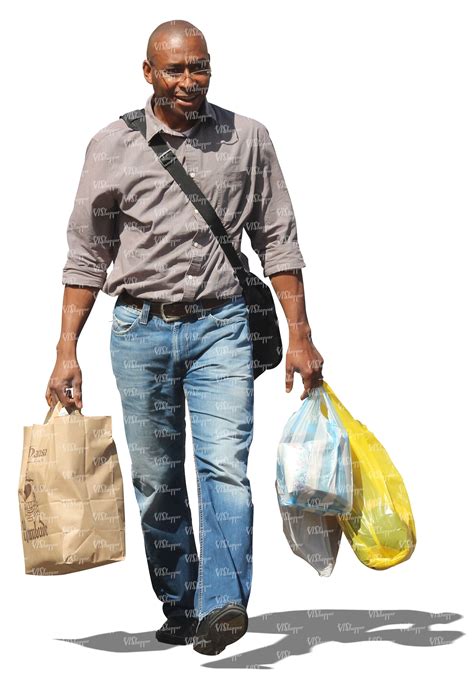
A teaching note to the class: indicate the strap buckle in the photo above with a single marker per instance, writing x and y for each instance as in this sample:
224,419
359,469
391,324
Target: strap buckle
167,157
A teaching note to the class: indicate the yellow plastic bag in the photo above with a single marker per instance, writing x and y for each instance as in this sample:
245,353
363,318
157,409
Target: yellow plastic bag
380,528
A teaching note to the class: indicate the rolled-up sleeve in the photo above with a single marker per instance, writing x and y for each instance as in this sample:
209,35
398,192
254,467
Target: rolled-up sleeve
272,227
91,233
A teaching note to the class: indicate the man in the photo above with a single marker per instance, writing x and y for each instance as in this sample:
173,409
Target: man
180,325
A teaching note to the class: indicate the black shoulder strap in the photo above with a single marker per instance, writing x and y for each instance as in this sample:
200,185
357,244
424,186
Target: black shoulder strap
136,120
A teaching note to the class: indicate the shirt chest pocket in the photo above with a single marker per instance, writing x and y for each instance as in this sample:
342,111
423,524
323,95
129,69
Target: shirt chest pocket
226,192
231,195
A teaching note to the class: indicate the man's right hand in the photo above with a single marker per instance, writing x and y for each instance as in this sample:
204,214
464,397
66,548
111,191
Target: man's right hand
66,374
77,304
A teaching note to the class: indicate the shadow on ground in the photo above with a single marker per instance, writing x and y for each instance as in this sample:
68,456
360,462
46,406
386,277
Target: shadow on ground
298,632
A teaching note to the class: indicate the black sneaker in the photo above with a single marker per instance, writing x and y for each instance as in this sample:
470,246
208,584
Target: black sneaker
178,630
219,628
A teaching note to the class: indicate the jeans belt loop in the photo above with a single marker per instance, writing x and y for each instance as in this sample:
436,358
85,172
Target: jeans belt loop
145,312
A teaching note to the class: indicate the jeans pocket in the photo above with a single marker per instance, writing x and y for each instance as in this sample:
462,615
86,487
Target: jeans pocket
124,319
232,312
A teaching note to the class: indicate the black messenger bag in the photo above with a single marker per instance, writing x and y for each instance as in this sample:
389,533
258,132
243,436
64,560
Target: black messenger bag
263,319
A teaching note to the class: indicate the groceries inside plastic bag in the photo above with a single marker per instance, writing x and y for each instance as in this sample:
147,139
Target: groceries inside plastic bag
380,527
313,537
314,468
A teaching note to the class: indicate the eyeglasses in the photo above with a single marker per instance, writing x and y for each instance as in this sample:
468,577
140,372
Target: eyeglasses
175,74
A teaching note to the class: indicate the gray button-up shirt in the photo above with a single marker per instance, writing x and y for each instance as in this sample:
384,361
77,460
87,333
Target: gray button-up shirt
129,210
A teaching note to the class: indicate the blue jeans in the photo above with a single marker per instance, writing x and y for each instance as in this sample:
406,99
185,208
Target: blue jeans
206,359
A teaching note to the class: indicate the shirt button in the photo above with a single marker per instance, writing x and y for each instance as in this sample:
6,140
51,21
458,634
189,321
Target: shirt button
196,210
190,277
196,243
192,174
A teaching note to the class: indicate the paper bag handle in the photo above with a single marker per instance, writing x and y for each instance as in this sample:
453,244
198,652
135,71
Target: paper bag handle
53,413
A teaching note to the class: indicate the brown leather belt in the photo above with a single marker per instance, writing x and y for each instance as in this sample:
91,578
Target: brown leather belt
172,310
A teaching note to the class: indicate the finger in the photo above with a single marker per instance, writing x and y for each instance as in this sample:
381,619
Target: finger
307,389
48,397
289,379
77,395
54,399
62,397
68,396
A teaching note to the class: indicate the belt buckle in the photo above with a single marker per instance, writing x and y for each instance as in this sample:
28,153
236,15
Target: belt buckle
166,318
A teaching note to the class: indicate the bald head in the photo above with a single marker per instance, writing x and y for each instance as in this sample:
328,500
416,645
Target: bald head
178,65
171,35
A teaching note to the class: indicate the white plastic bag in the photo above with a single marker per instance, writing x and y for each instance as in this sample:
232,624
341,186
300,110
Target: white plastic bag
313,537
314,467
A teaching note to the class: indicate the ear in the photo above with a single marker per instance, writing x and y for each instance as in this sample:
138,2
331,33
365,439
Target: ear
147,71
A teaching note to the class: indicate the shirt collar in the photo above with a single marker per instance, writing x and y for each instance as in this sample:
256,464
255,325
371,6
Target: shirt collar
154,124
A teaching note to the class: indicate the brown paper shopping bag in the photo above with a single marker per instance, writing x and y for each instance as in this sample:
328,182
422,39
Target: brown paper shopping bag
70,494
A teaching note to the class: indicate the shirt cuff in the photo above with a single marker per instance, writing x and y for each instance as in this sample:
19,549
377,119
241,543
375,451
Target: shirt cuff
291,264
83,279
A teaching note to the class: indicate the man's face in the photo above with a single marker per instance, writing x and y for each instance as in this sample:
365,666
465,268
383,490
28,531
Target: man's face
180,73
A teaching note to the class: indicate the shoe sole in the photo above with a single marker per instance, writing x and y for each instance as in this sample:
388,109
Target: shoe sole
167,638
223,628
175,640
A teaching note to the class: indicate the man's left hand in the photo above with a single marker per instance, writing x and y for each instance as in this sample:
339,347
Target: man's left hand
303,356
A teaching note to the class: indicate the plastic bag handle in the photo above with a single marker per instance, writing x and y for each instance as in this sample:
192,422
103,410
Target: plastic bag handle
321,395
323,405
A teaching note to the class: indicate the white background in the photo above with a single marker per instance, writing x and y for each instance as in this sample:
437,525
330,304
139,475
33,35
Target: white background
370,108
